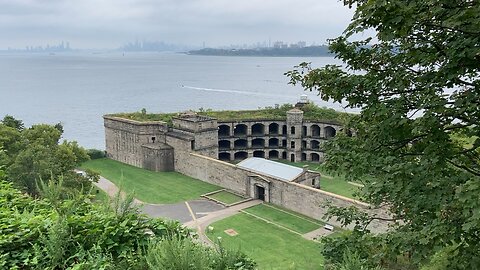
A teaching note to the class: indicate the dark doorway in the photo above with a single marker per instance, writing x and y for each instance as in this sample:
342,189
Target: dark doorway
273,154
240,155
223,131
240,130
259,154
258,129
315,157
224,156
223,145
292,158
273,128
330,132
260,191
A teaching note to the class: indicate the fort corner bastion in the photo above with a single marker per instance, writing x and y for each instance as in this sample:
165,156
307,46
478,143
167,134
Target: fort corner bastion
202,145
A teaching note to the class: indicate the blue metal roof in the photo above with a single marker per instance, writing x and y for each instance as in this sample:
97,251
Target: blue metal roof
271,168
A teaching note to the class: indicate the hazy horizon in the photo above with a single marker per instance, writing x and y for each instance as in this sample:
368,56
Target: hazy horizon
110,24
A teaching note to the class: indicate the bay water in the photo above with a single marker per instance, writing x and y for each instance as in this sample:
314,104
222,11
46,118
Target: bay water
76,89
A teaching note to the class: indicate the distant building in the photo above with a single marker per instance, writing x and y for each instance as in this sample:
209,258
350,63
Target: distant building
278,44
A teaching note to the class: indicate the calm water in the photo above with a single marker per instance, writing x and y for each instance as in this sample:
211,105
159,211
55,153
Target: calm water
77,89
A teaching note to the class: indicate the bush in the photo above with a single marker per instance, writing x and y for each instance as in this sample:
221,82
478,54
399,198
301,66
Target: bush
95,153
55,232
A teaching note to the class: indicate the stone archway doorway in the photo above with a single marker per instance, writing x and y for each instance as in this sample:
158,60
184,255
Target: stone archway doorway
259,193
259,188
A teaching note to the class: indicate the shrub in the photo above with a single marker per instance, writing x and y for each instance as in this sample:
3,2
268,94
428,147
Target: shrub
95,153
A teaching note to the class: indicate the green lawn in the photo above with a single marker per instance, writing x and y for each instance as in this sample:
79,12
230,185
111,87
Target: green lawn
226,197
270,246
99,195
292,221
334,184
149,186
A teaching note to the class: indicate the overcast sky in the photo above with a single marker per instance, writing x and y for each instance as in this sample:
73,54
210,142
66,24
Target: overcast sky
112,23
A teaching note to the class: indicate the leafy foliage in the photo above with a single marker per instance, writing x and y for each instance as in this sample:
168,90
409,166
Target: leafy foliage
10,121
418,87
58,233
180,253
35,153
95,154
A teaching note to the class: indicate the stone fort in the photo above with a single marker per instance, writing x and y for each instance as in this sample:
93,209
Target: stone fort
203,147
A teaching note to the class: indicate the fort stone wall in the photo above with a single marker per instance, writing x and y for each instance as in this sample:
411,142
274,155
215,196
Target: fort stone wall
124,138
290,195
158,157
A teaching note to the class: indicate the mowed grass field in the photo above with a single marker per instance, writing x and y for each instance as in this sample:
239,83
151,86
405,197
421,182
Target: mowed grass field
149,186
226,197
270,246
287,219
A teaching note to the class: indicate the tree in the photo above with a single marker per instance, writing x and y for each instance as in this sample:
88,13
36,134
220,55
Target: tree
34,153
417,136
10,121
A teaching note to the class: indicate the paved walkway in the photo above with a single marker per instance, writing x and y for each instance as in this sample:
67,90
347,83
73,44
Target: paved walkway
195,214
317,234
200,224
180,211
110,188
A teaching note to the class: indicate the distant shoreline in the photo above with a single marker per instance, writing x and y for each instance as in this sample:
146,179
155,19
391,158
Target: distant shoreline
267,52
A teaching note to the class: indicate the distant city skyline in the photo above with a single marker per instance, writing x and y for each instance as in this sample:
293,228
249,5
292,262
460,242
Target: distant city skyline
213,23
154,45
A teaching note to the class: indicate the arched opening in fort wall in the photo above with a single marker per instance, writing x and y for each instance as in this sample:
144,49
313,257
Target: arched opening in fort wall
224,156
273,154
240,144
330,132
315,129
258,143
315,157
240,155
224,145
304,144
223,131
258,129
273,142
273,129
240,130
260,154
314,144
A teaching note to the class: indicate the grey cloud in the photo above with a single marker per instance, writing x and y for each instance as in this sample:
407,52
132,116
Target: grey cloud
94,23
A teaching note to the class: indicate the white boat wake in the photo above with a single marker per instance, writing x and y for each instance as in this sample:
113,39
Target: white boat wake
233,91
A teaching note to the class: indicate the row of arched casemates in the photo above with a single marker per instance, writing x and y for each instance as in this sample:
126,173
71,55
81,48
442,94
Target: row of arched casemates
291,139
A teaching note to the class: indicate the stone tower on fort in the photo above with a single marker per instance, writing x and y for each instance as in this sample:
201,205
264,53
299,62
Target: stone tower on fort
153,144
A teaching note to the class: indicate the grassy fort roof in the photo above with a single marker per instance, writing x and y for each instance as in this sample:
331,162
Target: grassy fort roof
310,112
